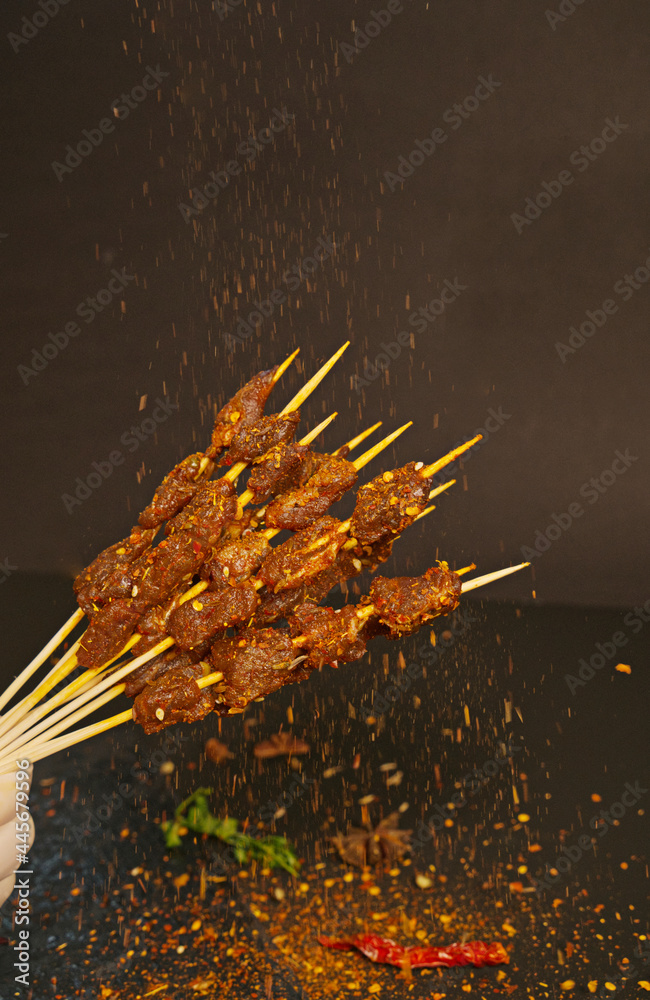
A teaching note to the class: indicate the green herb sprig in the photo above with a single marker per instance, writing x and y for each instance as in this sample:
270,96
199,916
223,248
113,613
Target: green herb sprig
193,814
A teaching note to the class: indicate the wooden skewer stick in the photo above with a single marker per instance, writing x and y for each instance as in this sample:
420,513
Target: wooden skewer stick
38,660
47,748
314,381
22,716
362,460
78,615
358,439
285,364
69,721
85,684
434,493
427,510
454,453
69,659
113,679
481,581
440,489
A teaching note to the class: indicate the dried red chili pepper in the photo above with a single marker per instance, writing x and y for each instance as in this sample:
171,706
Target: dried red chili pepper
379,949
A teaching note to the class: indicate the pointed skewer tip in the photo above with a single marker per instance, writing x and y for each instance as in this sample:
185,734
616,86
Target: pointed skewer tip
482,581
285,364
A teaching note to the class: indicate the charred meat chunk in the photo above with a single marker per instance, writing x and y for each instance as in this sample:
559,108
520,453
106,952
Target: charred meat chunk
274,607
389,504
254,663
153,625
404,603
201,619
204,518
298,508
253,440
174,697
121,581
348,563
119,554
147,673
154,620
328,635
176,489
284,468
89,584
245,408
171,563
303,556
236,561
108,632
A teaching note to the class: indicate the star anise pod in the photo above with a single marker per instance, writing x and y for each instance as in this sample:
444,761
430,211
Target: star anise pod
367,846
279,744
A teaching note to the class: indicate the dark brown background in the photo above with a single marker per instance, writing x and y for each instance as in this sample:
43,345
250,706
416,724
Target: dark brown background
495,346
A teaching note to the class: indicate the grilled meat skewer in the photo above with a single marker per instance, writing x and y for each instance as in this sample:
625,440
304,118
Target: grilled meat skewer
256,662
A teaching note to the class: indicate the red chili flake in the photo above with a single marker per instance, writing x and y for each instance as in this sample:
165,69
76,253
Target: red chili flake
379,949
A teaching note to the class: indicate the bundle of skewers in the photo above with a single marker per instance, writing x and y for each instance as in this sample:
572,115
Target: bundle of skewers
185,613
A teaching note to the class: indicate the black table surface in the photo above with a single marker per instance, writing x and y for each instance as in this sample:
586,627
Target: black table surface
109,903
